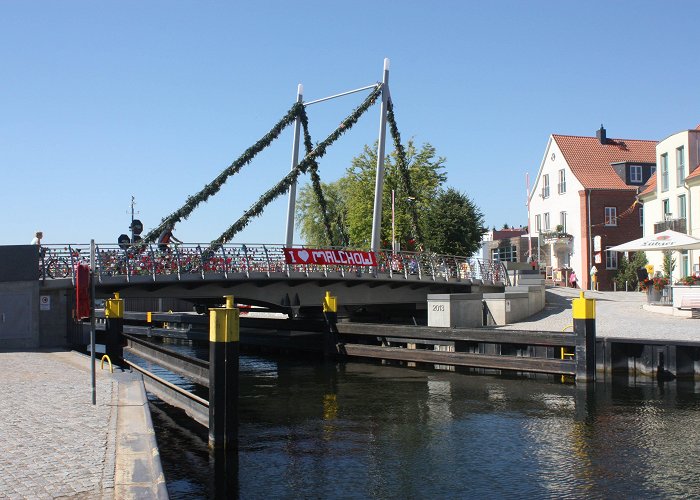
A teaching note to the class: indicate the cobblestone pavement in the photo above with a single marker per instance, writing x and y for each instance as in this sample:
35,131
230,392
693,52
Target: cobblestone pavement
53,442
618,315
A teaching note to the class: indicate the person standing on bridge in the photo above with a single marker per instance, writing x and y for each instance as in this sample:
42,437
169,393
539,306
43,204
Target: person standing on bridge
37,238
164,238
37,241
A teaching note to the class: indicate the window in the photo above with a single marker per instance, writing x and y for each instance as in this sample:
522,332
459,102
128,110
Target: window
561,187
653,169
636,174
546,221
664,172
545,186
610,259
505,254
610,216
666,208
641,216
685,263
680,166
538,223
562,221
681,207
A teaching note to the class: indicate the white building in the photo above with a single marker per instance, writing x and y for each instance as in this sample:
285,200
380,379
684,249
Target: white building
584,200
672,199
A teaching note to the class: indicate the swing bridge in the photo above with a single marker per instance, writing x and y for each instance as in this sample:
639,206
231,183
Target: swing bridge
259,274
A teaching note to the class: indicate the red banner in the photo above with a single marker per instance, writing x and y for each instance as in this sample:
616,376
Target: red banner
329,257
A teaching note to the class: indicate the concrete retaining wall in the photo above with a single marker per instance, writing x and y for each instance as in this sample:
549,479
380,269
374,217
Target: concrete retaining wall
455,310
479,309
507,307
55,317
19,314
536,296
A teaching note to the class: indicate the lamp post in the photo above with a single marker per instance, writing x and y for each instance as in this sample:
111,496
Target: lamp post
393,224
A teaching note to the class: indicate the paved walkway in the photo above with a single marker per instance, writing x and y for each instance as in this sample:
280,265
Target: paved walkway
54,443
618,315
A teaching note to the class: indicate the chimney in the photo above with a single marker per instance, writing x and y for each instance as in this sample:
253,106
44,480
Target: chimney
600,134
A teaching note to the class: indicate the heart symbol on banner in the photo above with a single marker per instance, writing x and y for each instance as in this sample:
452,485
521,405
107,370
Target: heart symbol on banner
303,255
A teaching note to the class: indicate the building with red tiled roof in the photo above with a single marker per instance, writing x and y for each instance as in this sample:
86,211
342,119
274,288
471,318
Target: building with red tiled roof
671,197
650,186
584,200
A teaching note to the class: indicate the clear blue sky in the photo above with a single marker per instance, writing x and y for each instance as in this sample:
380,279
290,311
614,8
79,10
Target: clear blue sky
103,100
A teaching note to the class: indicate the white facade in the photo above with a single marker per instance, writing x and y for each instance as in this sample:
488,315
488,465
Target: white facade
675,198
547,205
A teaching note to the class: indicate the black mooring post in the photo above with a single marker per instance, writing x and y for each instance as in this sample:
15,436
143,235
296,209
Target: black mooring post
330,313
224,480
223,376
583,310
114,328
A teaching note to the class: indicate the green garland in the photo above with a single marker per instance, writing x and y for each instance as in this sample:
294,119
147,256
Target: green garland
214,186
403,169
310,159
280,188
344,126
316,180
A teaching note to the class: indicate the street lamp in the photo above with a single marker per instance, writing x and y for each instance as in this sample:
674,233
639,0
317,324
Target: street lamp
393,223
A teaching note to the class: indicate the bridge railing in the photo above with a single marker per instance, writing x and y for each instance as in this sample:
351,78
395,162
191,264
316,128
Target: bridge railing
192,259
60,260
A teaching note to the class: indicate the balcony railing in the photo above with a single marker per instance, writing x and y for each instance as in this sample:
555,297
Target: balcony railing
548,236
678,225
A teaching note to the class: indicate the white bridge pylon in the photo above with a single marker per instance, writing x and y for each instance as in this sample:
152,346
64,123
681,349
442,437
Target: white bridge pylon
381,147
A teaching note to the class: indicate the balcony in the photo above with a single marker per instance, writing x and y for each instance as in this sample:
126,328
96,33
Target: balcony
677,225
556,237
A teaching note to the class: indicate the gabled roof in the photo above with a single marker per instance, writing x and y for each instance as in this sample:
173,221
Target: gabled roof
650,185
590,160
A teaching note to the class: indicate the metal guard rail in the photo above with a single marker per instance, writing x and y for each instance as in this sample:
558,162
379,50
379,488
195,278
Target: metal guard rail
60,261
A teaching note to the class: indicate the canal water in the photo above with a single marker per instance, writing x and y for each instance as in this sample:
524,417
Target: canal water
364,430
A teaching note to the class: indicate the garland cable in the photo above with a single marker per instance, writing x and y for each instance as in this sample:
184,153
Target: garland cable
283,185
316,181
403,170
214,186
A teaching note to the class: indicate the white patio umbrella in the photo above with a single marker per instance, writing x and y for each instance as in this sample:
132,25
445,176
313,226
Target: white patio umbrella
665,240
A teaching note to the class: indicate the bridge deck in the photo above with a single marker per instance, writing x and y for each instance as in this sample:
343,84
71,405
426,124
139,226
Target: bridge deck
258,274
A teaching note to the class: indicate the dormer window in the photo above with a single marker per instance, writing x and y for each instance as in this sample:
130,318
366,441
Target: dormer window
636,174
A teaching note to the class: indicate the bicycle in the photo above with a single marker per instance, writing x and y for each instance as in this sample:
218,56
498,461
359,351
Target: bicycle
57,267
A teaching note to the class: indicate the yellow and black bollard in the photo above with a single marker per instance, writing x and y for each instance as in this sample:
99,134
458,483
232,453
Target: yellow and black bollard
114,327
583,310
330,313
223,376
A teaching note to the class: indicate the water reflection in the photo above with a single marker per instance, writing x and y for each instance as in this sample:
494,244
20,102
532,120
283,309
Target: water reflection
315,430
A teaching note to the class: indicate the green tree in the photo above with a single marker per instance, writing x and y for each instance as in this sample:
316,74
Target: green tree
627,272
669,263
310,219
351,198
453,224
426,173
